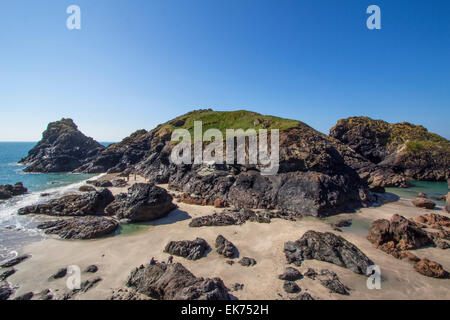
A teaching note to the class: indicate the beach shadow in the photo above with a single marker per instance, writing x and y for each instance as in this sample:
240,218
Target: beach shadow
173,217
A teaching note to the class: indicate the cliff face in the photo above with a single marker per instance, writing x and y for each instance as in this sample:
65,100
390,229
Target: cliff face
63,148
404,148
313,178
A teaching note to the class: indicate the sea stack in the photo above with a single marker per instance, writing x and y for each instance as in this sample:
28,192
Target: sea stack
63,148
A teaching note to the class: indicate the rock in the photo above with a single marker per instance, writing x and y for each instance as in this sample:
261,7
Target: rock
5,290
423,203
86,189
303,296
291,287
61,273
431,269
175,282
63,148
15,261
331,281
410,256
433,220
327,247
237,287
343,223
290,274
247,262
143,202
441,244
26,296
225,247
408,149
191,250
126,294
397,235
7,274
311,273
80,228
8,191
313,178
220,203
91,269
44,295
90,203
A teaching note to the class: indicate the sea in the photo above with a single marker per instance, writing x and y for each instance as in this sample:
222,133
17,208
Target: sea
18,231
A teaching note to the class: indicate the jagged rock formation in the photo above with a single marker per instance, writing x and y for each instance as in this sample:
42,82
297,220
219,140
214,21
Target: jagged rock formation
82,228
143,202
63,148
191,250
89,203
313,179
225,247
327,247
290,274
397,235
431,269
404,148
175,282
8,191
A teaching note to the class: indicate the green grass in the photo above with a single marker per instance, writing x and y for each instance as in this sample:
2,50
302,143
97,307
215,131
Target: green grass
222,121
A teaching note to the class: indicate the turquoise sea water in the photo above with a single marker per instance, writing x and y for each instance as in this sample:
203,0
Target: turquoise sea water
431,189
16,231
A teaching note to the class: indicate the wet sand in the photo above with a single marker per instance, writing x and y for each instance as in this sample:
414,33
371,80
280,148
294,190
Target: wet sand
117,256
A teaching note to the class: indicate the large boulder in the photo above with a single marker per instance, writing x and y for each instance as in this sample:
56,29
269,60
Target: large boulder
89,203
397,235
63,148
327,247
175,282
191,250
82,228
143,202
8,191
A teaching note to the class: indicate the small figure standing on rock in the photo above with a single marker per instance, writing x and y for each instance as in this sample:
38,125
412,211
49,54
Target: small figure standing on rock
170,260
152,261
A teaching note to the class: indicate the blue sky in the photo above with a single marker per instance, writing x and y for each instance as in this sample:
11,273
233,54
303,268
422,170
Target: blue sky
135,64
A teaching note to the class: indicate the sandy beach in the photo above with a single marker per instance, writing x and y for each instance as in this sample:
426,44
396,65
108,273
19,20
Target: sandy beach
116,256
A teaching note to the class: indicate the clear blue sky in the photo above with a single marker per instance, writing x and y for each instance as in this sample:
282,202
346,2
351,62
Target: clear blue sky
136,64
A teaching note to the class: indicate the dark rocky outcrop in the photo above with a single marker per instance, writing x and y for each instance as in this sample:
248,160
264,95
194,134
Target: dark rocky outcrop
290,274
143,202
89,203
61,273
404,148
80,228
15,261
63,148
311,273
175,282
191,250
8,191
421,202
314,178
26,296
327,247
86,188
397,235
225,247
